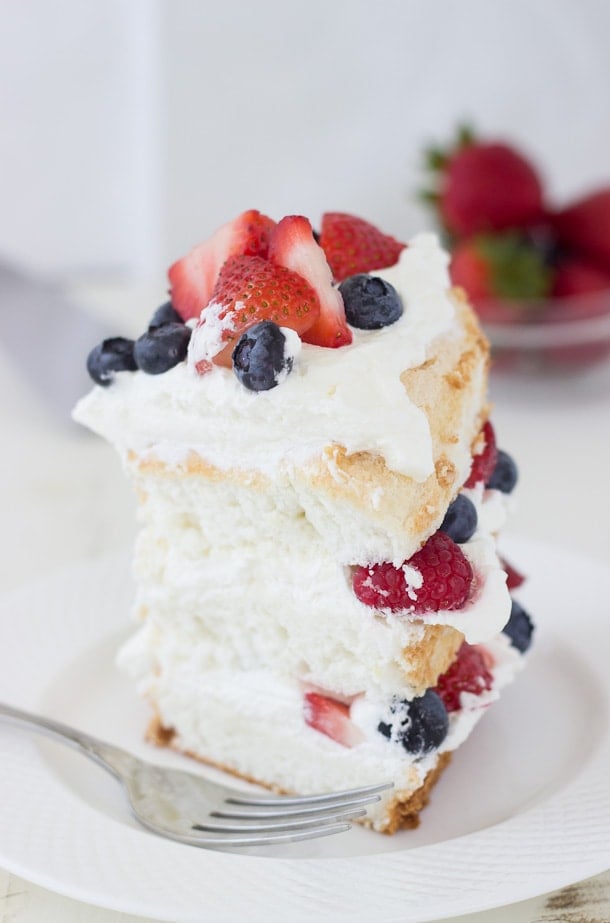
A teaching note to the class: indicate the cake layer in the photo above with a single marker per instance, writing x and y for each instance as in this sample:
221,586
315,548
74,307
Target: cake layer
237,565
252,723
374,438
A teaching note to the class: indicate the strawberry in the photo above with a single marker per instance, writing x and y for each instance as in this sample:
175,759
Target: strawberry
485,457
585,227
251,289
492,268
581,291
468,673
575,276
331,717
193,278
484,186
292,244
352,245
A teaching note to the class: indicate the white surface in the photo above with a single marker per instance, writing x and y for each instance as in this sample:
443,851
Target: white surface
540,817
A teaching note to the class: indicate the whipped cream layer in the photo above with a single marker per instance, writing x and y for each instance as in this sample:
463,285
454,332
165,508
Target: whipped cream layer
351,396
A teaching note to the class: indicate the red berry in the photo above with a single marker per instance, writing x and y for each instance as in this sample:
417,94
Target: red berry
352,245
192,278
470,269
444,581
251,289
582,293
484,462
575,276
514,578
488,187
585,227
468,673
293,245
498,272
331,717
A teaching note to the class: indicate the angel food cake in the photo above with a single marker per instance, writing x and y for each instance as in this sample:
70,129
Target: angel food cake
320,598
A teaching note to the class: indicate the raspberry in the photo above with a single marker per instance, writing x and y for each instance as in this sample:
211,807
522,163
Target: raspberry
438,576
467,673
484,463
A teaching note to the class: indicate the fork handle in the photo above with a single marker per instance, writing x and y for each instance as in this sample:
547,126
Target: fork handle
107,755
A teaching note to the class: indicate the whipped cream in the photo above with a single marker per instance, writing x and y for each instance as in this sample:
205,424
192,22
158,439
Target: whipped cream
253,720
351,396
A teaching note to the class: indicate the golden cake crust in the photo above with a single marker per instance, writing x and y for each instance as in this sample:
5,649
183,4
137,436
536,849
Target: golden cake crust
402,811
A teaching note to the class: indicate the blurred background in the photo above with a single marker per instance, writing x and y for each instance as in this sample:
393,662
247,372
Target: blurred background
133,128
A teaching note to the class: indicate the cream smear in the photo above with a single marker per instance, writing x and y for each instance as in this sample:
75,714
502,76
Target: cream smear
351,396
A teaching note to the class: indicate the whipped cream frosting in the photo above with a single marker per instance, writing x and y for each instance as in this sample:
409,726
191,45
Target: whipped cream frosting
351,396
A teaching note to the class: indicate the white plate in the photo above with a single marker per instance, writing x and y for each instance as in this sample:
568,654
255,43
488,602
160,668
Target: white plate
524,808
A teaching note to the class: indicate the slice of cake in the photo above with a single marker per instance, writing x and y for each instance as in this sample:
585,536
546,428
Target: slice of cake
321,601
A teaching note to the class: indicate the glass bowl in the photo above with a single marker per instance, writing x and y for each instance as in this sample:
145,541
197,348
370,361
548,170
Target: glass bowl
554,334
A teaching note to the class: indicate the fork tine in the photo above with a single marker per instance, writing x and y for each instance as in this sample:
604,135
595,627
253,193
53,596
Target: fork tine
243,812
279,824
230,841
255,800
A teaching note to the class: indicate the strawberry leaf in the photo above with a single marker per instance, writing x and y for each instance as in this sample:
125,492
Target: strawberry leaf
517,268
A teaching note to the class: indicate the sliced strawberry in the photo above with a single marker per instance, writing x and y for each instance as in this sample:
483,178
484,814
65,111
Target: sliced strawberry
250,289
484,461
193,278
293,245
469,672
352,245
331,718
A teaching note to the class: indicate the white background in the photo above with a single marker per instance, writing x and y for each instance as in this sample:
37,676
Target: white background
132,128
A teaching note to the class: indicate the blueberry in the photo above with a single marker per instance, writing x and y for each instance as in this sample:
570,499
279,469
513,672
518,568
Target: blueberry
259,358
166,314
505,474
162,348
370,302
460,522
519,628
420,725
110,356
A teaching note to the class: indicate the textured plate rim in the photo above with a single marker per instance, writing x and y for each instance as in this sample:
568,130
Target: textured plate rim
310,885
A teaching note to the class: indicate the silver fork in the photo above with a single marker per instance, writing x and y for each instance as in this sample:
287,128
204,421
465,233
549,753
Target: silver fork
193,810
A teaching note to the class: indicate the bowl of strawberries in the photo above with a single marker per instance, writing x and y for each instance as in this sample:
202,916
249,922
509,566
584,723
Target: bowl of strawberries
537,274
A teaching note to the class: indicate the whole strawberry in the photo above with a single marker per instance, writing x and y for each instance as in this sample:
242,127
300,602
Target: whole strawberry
499,267
575,276
584,226
484,186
